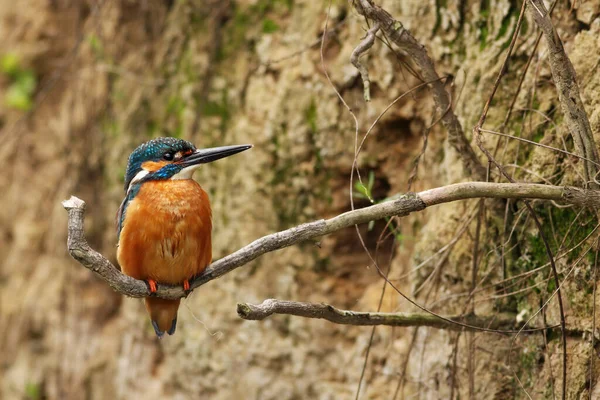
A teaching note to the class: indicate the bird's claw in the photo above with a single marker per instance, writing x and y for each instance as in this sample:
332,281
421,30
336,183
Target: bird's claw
151,285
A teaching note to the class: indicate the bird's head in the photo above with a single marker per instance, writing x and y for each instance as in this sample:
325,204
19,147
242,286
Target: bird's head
171,158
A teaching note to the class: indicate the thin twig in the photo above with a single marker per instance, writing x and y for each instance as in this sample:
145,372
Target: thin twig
363,47
539,145
402,378
401,37
470,336
592,344
503,68
491,159
564,77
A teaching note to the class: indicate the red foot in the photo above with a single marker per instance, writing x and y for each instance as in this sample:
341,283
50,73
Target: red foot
152,284
186,285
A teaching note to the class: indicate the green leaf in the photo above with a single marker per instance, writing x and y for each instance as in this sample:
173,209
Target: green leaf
17,98
360,188
371,181
269,26
26,81
9,64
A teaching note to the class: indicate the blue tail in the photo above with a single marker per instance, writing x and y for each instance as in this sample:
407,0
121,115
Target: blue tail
160,333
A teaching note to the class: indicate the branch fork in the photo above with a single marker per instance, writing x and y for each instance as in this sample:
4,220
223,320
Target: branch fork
363,47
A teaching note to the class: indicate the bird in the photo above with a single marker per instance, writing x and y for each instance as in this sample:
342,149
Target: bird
164,224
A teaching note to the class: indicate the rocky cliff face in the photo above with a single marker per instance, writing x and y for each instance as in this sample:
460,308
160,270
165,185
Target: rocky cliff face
85,82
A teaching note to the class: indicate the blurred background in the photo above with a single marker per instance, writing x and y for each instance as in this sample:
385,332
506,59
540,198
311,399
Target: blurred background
82,83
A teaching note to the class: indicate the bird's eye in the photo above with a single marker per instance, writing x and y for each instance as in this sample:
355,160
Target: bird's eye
168,156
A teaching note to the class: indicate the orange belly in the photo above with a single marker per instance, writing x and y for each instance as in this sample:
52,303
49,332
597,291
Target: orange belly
166,234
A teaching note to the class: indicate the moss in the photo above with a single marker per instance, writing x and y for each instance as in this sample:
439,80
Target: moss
483,34
538,135
578,301
283,171
504,26
263,6
235,33
315,182
269,26
249,22
310,115
511,15
482,23
530,253
564,226
484,8
288,208
458,44
524,27
439,4
528,364
322,175
557,223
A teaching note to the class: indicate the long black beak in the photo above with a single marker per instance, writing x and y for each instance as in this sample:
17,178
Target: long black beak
203,156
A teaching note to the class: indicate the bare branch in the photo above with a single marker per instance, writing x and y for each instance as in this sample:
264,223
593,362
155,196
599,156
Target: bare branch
402,38
81,251
501,322
410,202
564,77
361,49
258,312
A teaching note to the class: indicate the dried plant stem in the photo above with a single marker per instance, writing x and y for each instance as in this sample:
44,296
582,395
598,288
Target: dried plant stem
562,70
362,48
564,77
402,38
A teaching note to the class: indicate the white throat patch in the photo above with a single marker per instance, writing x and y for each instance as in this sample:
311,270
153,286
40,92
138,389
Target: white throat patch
186,173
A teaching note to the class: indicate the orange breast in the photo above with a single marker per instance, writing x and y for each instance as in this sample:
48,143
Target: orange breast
166,234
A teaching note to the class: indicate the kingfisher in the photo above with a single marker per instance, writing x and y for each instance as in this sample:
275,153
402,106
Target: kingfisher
164,223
